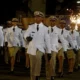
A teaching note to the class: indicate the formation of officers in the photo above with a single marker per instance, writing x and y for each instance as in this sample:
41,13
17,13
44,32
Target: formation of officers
54,41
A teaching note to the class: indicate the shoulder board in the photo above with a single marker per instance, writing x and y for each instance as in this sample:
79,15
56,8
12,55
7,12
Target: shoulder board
45,25
30,23
58,27
19,27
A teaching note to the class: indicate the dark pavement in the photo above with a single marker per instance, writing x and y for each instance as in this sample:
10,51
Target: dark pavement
22,74
73,76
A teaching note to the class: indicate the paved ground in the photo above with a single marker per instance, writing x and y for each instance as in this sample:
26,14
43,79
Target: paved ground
22,74
74,76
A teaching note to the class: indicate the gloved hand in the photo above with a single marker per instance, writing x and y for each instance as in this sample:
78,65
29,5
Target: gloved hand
65,54
22,49
48,56
6,44
29,38
59,41
75,51
69,44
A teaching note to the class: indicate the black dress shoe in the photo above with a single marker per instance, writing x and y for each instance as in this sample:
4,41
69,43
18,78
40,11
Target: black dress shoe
76,69
37,78
60,74
52,78
69,72
26,68
11,72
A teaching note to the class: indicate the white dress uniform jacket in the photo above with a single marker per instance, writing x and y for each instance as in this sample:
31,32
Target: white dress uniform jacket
5,30
1,36
24,41
54,37
78,40
41,39
72,39
14,37
63,38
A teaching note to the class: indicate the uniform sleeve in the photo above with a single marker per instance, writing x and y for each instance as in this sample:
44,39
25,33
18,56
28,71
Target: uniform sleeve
73,44
1,38
78,40
27,33
47,42
6,36
63,42
21,39
69,38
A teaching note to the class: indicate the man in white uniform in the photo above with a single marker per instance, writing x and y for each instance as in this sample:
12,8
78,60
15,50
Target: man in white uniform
27,62
78,55
62,47
15,41
5,30
1,39
39,40
73,47
54,32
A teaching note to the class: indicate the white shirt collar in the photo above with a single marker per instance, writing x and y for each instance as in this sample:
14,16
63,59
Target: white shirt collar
53,26
40,24
14,27
73,30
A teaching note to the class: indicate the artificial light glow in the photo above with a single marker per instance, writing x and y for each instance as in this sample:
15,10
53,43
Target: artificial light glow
78,2
78,21
67,9
73,19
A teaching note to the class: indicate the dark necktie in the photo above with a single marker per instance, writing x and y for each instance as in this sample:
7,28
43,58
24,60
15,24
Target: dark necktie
51,29
14,29
62,31
37,27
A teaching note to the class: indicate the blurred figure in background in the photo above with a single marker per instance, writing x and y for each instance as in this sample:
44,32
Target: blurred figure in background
73,47
1,40
5,30
15,41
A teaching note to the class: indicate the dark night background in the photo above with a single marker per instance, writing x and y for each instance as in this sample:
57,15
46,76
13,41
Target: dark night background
8,8
51,6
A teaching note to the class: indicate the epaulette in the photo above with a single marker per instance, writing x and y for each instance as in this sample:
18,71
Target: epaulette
45,25
30,23
19,27
58,27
